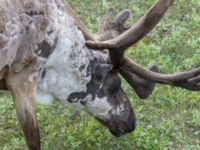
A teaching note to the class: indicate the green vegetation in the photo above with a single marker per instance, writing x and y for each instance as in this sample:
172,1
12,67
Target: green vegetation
169,119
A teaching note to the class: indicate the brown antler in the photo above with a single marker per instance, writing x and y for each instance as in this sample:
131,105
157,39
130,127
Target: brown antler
189,80
118,45
128,68
137,31
142,87
109,28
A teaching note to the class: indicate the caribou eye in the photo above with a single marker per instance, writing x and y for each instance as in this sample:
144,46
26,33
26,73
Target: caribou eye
100,71
112,85
98,78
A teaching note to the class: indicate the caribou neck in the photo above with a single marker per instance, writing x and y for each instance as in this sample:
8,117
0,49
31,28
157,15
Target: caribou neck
68,69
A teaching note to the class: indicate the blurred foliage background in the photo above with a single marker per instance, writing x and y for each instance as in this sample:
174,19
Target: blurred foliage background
169,119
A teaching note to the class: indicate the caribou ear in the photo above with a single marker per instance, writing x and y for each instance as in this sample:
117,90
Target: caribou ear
100,71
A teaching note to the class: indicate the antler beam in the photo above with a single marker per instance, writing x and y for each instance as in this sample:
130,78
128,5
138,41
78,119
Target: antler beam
189,80
131,66
137,31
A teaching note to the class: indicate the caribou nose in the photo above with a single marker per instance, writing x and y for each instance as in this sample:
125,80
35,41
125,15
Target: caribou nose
123,129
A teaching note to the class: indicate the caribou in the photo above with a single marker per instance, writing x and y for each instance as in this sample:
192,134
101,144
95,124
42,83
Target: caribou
47,53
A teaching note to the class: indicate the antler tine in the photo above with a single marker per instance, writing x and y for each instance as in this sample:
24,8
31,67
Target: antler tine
106,20
131,66
142,87
137,31
189,80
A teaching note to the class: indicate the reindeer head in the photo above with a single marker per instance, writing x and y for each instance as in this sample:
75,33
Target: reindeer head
117,113
107,102
103,96
110,104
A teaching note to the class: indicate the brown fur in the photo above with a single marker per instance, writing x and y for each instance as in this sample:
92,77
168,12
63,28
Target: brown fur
23,65
23,88
3,85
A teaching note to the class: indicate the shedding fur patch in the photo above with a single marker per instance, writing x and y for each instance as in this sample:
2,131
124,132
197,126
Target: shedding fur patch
64,71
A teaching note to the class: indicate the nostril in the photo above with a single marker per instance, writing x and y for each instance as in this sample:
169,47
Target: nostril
119,129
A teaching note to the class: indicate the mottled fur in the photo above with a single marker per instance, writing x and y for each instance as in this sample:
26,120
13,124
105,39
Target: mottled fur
42,49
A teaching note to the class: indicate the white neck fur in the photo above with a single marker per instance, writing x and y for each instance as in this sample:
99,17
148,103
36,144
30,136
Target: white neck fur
63,74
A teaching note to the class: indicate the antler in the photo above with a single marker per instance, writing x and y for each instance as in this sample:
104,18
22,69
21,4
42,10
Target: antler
109,28
189,80
142,27
137,31
129,69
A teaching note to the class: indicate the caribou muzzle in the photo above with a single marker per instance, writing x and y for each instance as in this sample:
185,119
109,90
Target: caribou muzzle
119,126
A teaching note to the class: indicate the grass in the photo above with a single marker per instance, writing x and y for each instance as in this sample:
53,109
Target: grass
169,119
